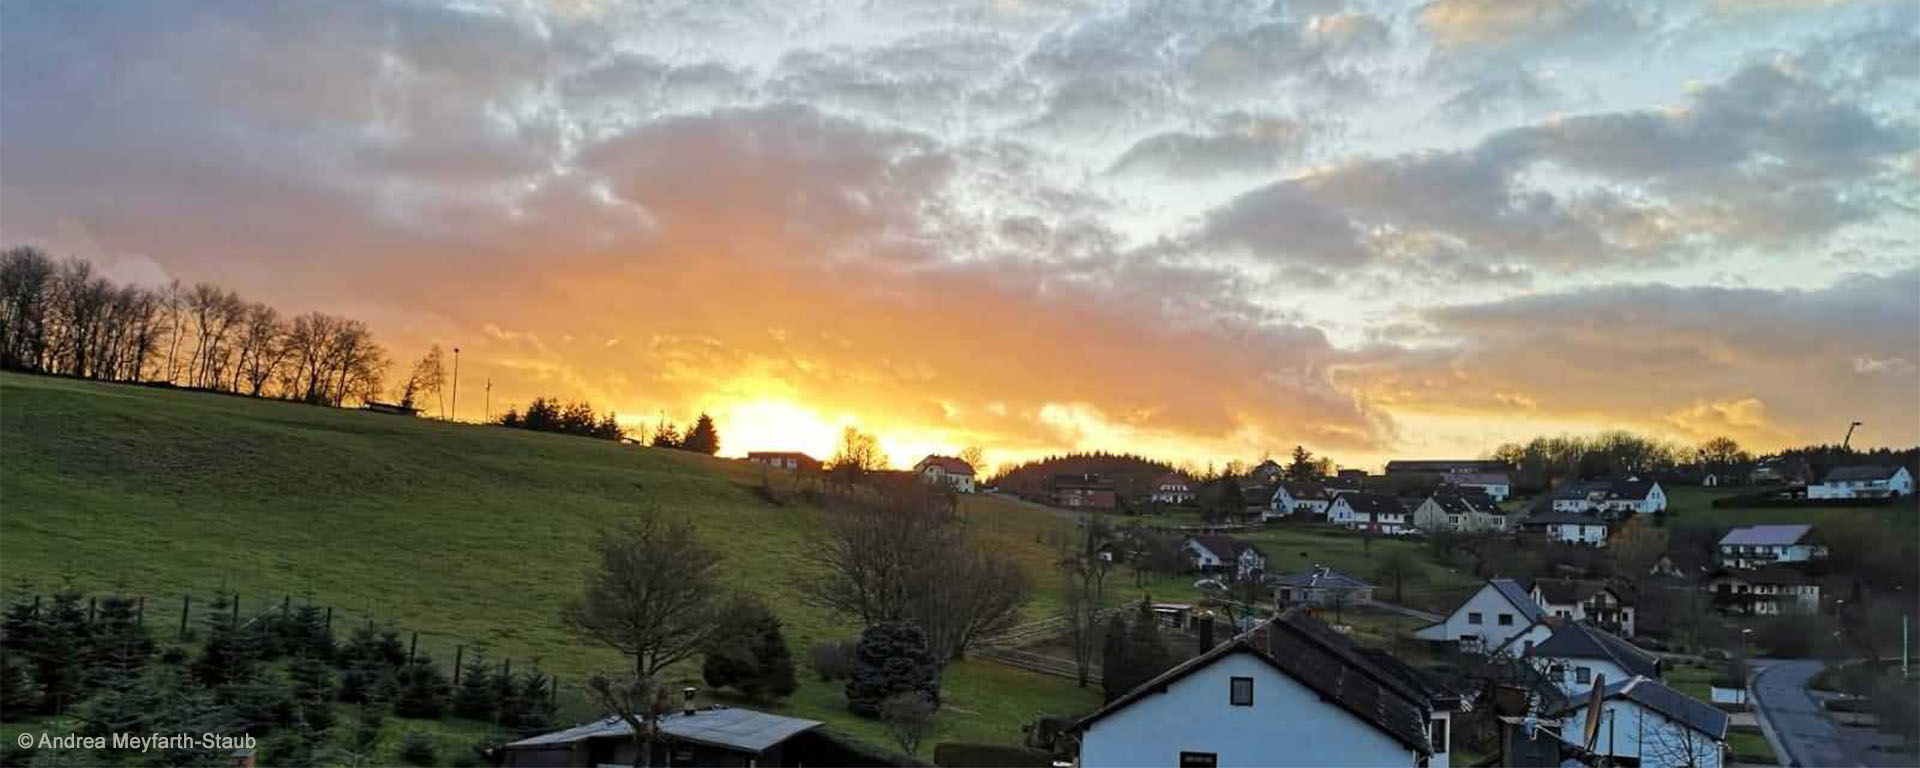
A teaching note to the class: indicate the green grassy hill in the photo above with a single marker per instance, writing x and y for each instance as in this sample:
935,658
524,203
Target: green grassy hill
471,535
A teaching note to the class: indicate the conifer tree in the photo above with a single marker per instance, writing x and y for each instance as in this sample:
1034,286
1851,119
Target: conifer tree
1116,676
891,658
506,696
423,690
703,437
534,701
60,649
749,652
231,650
474,699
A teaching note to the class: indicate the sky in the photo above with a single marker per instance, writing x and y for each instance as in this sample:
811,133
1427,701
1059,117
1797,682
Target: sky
1195,229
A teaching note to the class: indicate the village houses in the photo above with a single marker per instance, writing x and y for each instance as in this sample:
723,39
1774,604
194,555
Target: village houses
1495,485
1568,528
1488,618
1306,499
1370,512
1612,499
1172,488
1590,601
1225,554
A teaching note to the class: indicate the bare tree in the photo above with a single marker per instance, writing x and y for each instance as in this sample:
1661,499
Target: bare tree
428,376
1086,592
859,454
901,553
909,719
652,594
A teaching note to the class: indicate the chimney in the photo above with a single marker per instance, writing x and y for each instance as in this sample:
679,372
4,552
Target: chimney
687,692
1206,631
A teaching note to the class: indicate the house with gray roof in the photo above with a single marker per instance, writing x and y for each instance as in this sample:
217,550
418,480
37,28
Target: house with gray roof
1647,722
1870,481
1320,586
1604,605
712,736
1576,653
1488,618
1756,546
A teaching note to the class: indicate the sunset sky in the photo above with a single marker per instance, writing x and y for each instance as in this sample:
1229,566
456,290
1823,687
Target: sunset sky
1195,229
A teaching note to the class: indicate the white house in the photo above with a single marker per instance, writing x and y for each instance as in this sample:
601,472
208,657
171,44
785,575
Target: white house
1568,528
1494,484
1651,723
1488,618
1863,482
1300,499
1755,546
1375,512
1611,498
1172,488
1320,586
1590,601
946,470
1228,554
1576,654
1289,692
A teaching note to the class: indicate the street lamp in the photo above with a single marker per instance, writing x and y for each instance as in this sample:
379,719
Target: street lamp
1746,642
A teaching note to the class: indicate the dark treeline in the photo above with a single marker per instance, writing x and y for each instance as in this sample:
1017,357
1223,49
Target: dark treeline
1543,461
548,414
1132,475
281,677
64,318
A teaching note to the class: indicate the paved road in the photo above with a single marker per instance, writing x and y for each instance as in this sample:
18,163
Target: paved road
1809,736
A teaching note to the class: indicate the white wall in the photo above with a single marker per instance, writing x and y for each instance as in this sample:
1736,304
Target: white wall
1650,736
1288,725
1490,605
1569,679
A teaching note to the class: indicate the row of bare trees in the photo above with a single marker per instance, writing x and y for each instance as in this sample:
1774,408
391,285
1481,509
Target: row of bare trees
63,317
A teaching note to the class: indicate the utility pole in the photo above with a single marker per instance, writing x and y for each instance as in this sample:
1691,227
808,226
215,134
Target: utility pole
456,383
486,413
1849,438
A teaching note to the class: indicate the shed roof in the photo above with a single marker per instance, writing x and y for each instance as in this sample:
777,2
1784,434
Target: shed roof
743,730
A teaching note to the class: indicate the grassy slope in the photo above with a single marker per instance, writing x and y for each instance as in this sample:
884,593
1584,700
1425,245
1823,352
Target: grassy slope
468,534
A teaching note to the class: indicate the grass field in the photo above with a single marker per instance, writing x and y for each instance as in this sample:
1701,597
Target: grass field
470,535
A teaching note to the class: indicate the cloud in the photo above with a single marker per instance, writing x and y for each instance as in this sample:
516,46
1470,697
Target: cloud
1237,143
1765,365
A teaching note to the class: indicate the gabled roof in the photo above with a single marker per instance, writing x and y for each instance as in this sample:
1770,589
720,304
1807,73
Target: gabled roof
1305,491
1567,591
1326,578
729,727
1766,535
1682,708
1225,547
951,465
1170,478
1576,640
1451,503
1476,478
1605,489
1381,692
1861,472
1374,503
1510,589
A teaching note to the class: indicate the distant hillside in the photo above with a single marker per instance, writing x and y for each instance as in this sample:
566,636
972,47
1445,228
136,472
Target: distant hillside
1132,476
470,534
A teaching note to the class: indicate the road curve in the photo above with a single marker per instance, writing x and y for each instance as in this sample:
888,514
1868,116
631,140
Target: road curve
1809,737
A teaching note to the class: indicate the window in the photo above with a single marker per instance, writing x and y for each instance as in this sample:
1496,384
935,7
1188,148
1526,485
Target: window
1582,675
1473,618
1199,759
1437,733
1242,692
1506,619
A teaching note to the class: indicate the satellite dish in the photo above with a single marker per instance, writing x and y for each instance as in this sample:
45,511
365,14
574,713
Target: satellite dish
1593,712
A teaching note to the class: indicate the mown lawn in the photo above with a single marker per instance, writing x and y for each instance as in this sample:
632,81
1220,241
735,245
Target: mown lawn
470,535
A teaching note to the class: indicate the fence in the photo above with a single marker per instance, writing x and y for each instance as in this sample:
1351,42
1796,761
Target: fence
190,609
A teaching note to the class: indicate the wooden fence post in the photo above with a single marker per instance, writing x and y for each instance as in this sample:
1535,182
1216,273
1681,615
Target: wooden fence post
140,611
459,652
329,618
414,646
91,602
186,605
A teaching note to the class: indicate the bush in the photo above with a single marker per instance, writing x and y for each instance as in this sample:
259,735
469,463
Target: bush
749,652
909,719
963,755
832,660
891,658
417,748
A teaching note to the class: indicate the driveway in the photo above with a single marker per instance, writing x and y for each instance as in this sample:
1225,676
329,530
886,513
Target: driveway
1800,727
